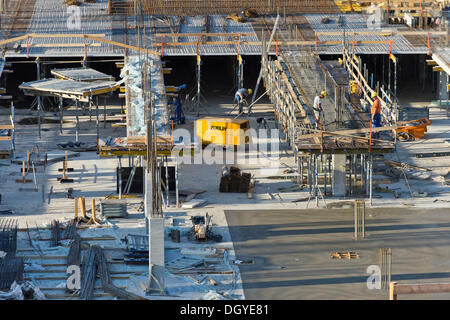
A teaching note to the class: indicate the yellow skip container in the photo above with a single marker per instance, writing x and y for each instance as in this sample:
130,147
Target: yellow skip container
222,131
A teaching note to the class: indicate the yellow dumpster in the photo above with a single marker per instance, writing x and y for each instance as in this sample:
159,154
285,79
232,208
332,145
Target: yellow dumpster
222,131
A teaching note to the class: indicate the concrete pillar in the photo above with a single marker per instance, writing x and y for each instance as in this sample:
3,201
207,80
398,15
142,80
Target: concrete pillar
156,256
443,89
338,175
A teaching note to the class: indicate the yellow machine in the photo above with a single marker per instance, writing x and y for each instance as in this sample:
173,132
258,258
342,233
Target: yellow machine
222,131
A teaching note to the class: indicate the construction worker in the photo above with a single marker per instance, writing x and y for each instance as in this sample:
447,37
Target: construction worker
318,110
376,112
240,96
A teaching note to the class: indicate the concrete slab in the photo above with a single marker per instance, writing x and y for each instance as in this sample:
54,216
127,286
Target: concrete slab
291,251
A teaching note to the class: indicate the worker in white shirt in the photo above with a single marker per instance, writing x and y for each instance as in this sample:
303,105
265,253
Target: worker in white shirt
318,110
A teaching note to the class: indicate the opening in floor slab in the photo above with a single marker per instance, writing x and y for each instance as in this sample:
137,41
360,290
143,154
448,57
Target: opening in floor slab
219,77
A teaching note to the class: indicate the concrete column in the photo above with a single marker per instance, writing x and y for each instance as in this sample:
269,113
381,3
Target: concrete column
155,228
147,193
338,175
156,256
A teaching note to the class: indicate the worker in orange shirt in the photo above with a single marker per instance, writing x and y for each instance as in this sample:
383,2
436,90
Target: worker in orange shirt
376,112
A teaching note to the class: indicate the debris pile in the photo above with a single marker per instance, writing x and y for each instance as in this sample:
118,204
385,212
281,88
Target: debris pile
202,229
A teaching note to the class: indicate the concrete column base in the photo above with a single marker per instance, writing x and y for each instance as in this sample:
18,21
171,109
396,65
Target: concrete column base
338,175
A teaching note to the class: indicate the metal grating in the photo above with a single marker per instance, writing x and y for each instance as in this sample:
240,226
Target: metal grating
8,235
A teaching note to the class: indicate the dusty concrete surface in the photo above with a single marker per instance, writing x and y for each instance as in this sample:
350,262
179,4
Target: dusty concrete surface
291,251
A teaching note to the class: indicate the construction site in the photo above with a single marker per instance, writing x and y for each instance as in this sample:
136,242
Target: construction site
224,150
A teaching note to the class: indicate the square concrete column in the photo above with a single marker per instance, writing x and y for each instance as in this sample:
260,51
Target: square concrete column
155,228
338,175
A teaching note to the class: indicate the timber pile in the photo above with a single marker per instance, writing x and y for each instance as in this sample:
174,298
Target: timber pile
233,180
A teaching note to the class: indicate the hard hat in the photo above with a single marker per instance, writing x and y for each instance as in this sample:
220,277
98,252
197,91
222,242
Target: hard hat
250,91
323,93
374,94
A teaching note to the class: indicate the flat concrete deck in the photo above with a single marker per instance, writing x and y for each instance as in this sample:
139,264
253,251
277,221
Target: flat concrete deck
291,251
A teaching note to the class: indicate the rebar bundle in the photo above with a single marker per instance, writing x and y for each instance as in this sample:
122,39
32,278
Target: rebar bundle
8,235
201,7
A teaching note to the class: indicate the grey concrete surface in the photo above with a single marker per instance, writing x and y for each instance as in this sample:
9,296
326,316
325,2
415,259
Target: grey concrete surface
291,251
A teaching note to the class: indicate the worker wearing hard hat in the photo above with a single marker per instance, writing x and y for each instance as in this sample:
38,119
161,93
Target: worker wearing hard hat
318,110
376,112
240,97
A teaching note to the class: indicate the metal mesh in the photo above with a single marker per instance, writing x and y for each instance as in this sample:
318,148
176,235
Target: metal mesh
8,235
